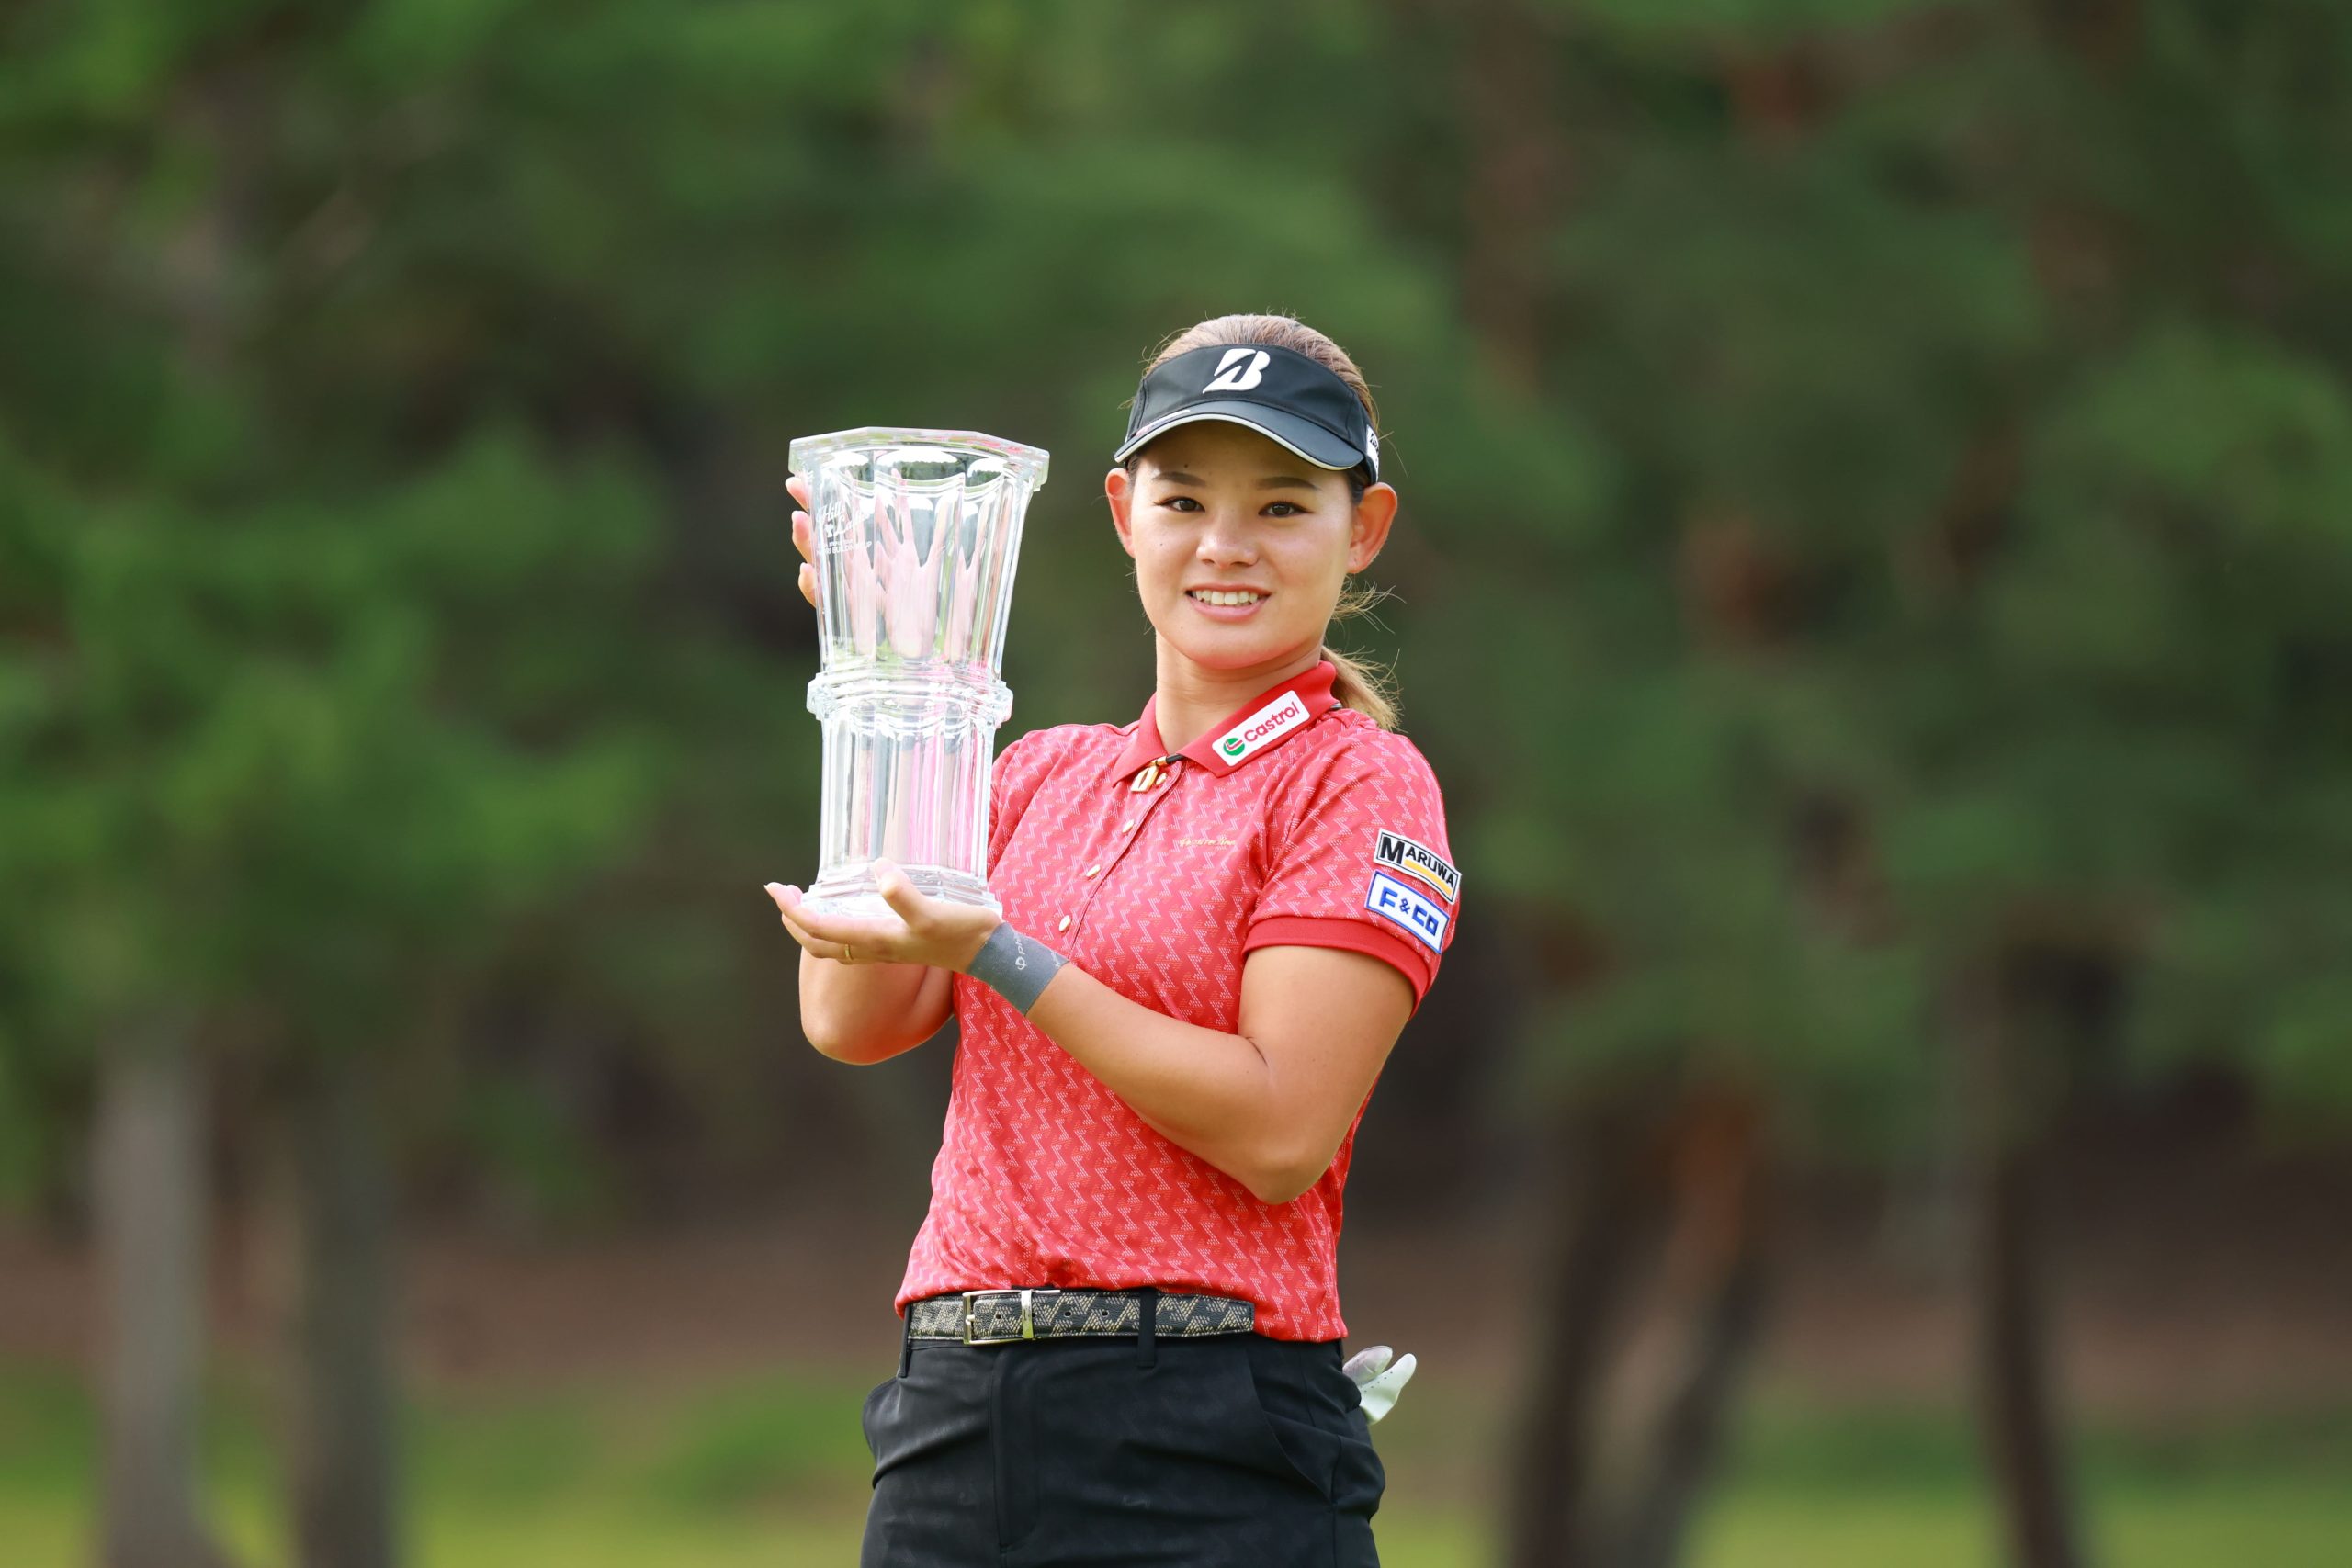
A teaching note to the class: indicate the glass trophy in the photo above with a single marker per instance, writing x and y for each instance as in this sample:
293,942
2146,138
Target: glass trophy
915,533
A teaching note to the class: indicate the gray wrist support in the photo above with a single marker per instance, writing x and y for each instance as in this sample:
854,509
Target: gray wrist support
1015,966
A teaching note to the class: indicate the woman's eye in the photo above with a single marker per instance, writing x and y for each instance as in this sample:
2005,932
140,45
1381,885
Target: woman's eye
1287,508
1182,504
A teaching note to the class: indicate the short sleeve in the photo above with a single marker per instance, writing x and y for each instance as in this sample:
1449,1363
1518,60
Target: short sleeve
1362,862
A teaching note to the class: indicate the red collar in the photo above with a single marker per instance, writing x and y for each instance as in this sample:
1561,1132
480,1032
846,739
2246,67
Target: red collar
1256,727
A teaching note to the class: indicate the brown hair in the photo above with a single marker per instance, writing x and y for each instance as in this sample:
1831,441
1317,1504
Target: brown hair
1363,685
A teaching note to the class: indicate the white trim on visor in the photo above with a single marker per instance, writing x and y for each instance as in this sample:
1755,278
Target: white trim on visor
1193,416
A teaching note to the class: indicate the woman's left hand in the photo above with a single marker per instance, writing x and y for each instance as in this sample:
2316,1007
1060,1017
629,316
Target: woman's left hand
937,932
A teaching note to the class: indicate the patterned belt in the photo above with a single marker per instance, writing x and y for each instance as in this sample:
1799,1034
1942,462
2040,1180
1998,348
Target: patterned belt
996,1317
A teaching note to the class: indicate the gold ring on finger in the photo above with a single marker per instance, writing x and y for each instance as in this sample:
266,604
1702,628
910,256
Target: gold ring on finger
849,953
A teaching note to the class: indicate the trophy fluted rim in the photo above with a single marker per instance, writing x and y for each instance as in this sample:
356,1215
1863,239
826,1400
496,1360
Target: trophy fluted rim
808,450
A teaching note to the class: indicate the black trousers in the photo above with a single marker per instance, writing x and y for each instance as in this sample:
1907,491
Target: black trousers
1228,1449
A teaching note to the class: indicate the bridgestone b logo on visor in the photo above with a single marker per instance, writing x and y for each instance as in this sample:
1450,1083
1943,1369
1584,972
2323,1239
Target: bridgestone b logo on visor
1278,717
1238,370
1420,863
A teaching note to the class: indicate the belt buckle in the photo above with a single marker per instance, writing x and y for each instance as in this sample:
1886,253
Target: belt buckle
1028,1295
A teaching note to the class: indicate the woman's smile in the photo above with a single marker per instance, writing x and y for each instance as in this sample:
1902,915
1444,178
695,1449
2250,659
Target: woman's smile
1228,603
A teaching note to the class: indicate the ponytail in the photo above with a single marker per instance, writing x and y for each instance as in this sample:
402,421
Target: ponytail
1362,684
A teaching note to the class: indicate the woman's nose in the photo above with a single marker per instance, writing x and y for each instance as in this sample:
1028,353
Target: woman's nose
1227,537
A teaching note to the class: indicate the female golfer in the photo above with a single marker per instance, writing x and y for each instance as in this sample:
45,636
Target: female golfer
1121,1319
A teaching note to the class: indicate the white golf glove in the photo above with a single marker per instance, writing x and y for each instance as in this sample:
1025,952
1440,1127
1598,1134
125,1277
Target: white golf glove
1377,1382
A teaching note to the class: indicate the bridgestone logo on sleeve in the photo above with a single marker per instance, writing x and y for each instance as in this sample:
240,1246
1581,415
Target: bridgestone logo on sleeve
1278,717
1419,861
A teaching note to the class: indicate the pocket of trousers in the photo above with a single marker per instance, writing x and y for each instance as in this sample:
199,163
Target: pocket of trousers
865,1415
928,1418
1310,1411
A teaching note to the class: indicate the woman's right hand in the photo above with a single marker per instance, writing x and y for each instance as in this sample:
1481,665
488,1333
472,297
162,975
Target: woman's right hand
869,1010
801,537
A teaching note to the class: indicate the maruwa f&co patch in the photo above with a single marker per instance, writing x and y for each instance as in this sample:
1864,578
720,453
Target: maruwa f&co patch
1420,863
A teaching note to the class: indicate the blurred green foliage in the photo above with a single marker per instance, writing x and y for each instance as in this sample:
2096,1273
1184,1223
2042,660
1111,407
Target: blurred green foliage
1876,484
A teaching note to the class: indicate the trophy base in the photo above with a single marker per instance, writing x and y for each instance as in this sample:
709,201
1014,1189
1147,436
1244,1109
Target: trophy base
850,890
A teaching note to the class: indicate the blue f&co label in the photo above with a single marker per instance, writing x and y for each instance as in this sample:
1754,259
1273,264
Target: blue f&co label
1424,916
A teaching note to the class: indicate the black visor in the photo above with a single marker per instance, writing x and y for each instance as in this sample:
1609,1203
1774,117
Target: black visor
1280,393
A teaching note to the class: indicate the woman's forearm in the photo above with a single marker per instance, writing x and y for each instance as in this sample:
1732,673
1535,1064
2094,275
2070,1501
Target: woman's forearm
868,1012
1205,1091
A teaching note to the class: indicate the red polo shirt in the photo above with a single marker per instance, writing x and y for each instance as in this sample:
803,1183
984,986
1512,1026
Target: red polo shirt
1294,821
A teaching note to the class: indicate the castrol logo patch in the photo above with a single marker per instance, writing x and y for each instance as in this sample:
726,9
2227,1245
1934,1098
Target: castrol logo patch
1277,718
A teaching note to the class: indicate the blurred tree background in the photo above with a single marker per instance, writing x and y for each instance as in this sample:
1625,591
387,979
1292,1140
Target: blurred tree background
1877,537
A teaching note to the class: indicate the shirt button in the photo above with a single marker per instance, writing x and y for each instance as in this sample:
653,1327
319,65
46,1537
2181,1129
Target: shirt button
1126,825
1092,869
1064,925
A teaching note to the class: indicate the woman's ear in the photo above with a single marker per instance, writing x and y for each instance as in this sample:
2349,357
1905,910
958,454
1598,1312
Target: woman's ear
1373,516
1119,489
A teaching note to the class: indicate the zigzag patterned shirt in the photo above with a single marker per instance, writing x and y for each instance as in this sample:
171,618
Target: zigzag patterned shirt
1293,822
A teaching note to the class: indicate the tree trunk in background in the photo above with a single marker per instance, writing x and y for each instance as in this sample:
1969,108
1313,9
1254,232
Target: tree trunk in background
1724,1205
1512,193
2017,1420
342,1459
149,1183
1608,1204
